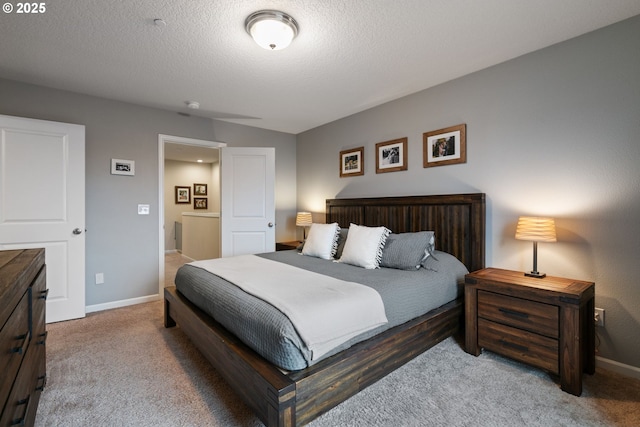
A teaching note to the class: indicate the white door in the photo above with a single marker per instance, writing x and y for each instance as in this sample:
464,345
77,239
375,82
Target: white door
247,200
42,204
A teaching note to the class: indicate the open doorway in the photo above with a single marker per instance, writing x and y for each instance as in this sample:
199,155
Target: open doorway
179,167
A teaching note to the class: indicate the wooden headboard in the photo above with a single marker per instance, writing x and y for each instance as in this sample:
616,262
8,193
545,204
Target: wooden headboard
458,220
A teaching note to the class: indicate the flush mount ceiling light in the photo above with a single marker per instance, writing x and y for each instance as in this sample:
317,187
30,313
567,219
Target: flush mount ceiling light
271,29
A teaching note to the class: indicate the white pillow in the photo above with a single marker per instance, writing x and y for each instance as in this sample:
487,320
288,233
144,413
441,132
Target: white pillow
364,245
322,241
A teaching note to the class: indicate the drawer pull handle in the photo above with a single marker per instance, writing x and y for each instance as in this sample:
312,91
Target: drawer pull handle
44,294
20,350
42,378
512,345
43,341
22,421
513,313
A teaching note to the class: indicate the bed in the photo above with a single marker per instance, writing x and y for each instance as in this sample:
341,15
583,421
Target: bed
289,398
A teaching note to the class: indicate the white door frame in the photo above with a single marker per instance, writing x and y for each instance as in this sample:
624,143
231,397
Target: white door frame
161,141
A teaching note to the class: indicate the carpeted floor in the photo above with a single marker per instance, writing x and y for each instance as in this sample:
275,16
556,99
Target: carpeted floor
121,367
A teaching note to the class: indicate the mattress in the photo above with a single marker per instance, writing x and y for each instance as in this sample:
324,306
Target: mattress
405,294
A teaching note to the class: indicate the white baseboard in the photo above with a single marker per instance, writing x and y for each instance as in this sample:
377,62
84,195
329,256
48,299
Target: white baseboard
121,303
170,251
621,368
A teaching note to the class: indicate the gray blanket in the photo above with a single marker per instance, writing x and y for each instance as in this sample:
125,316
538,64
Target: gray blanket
406,295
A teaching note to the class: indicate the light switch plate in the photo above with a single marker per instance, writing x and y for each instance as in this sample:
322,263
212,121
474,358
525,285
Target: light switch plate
143,209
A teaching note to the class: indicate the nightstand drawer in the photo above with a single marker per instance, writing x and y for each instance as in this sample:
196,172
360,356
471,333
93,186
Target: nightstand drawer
520,313
529,348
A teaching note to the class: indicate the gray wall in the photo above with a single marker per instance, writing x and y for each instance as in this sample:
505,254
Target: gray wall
555,133
120,243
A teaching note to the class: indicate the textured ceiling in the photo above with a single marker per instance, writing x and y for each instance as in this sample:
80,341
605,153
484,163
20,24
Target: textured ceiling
350,55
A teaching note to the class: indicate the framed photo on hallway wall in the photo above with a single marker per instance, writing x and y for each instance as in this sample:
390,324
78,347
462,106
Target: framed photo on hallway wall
199,190
200,203
183,194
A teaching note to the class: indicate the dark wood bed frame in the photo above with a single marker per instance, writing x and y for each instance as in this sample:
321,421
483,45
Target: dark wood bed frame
296,398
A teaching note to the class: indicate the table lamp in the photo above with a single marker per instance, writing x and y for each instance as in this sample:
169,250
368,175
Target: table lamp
536,229
303,219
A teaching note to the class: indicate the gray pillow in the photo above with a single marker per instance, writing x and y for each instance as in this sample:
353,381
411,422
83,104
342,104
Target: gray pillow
406,251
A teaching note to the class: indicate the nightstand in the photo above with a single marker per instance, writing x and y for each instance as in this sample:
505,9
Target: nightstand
547,323
287,246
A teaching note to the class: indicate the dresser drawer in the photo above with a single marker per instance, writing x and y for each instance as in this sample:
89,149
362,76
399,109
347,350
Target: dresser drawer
520,313
14,340
527,347
23,398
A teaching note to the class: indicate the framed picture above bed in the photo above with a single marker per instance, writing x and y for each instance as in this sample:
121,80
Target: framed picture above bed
446,146
391,156
352,162
183,194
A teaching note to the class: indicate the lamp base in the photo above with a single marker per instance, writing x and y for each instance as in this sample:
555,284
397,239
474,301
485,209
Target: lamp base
535,274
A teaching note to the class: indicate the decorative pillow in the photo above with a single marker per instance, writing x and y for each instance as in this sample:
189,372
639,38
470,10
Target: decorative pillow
322,241
407,251
363,247
430,251
342,239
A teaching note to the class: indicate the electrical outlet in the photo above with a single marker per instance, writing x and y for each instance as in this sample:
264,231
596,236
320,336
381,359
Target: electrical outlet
599,316
99,278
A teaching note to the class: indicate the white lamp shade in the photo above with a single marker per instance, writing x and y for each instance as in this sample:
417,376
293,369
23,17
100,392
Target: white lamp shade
303,219
536,229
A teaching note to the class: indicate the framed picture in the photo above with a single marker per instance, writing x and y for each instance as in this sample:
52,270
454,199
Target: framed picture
391,156
199,203
123,167
352,162
199,190
183,194
446,146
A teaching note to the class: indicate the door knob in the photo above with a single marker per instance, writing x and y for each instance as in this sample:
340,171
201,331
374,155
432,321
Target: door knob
77,231
270,224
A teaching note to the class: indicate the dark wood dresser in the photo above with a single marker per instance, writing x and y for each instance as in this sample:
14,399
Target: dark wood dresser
548,323
23,335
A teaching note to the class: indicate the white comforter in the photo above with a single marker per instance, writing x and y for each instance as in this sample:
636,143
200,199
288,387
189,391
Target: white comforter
325,311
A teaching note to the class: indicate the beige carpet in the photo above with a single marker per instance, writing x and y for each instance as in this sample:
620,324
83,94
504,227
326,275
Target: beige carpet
123,368
172,262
